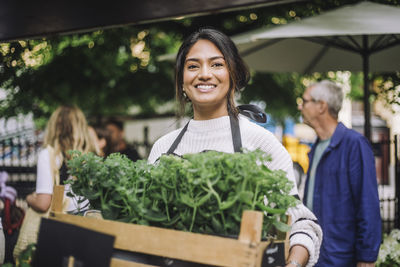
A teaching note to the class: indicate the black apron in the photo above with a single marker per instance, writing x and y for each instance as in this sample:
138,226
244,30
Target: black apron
235,130
253,112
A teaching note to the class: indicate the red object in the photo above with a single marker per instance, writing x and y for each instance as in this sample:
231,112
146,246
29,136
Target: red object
11,221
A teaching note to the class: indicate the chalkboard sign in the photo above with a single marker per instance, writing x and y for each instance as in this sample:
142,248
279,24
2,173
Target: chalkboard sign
60,243
274,255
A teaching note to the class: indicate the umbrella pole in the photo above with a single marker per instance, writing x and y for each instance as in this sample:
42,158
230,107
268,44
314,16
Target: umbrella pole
367,109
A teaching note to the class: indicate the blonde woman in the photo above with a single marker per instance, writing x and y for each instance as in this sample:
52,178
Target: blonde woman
66,130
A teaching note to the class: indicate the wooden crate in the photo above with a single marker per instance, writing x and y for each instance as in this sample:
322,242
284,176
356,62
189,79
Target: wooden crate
247,250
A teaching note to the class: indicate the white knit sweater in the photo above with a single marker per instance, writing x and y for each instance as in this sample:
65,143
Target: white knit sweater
216,135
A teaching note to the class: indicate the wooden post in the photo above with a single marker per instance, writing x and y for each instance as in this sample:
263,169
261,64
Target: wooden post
71,261
251,227
57,199
287,243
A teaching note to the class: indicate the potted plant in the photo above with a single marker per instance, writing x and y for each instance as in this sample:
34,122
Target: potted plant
202,193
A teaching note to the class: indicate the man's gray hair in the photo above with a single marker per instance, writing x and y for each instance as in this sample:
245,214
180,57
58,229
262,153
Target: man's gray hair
329,92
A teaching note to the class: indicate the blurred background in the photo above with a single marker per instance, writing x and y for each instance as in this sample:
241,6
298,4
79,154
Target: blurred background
124,70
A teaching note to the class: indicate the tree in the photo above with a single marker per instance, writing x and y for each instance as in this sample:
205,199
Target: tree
387,89
90,70
108,71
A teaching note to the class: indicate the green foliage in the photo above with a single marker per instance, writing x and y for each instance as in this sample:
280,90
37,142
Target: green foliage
389,252
25,259
357,83
106,72
387,88
203,193
278,91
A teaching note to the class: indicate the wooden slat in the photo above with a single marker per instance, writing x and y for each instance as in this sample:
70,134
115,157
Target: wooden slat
287,243
180,245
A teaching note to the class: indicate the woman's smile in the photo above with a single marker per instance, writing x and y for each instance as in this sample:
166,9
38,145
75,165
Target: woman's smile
205,87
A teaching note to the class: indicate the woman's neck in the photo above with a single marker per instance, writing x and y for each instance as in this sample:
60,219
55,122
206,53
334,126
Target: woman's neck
209,113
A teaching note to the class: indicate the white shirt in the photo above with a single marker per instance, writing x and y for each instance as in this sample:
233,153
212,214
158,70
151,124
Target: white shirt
45,182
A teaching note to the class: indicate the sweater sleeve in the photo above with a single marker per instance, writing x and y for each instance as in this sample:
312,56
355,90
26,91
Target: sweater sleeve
305,228
257,137
305,232
155,153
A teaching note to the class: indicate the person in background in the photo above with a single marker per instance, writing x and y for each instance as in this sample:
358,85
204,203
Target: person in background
102,137
341,186
10,220
208,73
119,143
66,130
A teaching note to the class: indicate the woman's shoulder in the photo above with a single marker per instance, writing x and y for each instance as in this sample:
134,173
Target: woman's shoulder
253,129
43,152
168,137
162,145
255,136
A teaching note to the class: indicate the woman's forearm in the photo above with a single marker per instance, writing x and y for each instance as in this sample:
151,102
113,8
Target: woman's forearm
39,202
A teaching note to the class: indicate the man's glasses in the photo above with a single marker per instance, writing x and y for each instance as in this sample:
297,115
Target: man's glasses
302,101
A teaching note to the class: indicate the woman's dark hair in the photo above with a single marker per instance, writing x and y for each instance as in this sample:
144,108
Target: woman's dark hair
104,133
238,72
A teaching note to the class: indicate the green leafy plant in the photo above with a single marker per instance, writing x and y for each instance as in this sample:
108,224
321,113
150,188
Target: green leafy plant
25,258
204,193
389,252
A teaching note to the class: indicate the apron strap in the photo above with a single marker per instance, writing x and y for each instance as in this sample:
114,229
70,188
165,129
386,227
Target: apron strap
235,130
177,140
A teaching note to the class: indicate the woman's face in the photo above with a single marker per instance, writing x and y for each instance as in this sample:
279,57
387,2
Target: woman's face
206,80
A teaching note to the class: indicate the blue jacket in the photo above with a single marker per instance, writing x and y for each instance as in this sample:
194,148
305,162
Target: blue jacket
346,200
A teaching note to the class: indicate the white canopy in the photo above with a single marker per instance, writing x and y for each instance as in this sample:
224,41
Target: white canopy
361,37
358,19
330,41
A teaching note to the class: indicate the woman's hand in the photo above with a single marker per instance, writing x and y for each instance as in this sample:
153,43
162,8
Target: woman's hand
298,256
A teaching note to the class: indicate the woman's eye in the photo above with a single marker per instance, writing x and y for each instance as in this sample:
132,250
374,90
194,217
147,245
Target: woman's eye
217,64
191,67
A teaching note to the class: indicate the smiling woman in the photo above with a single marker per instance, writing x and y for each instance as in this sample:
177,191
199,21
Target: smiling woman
206,80
209,71
213,59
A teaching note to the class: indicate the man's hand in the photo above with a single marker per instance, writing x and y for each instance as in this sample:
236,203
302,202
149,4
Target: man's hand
365,264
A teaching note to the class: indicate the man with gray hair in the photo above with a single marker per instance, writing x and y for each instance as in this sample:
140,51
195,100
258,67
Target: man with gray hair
341,187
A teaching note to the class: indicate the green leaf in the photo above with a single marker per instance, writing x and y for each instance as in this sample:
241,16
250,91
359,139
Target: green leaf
246,197
270,210
283,227
187,200
154,216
